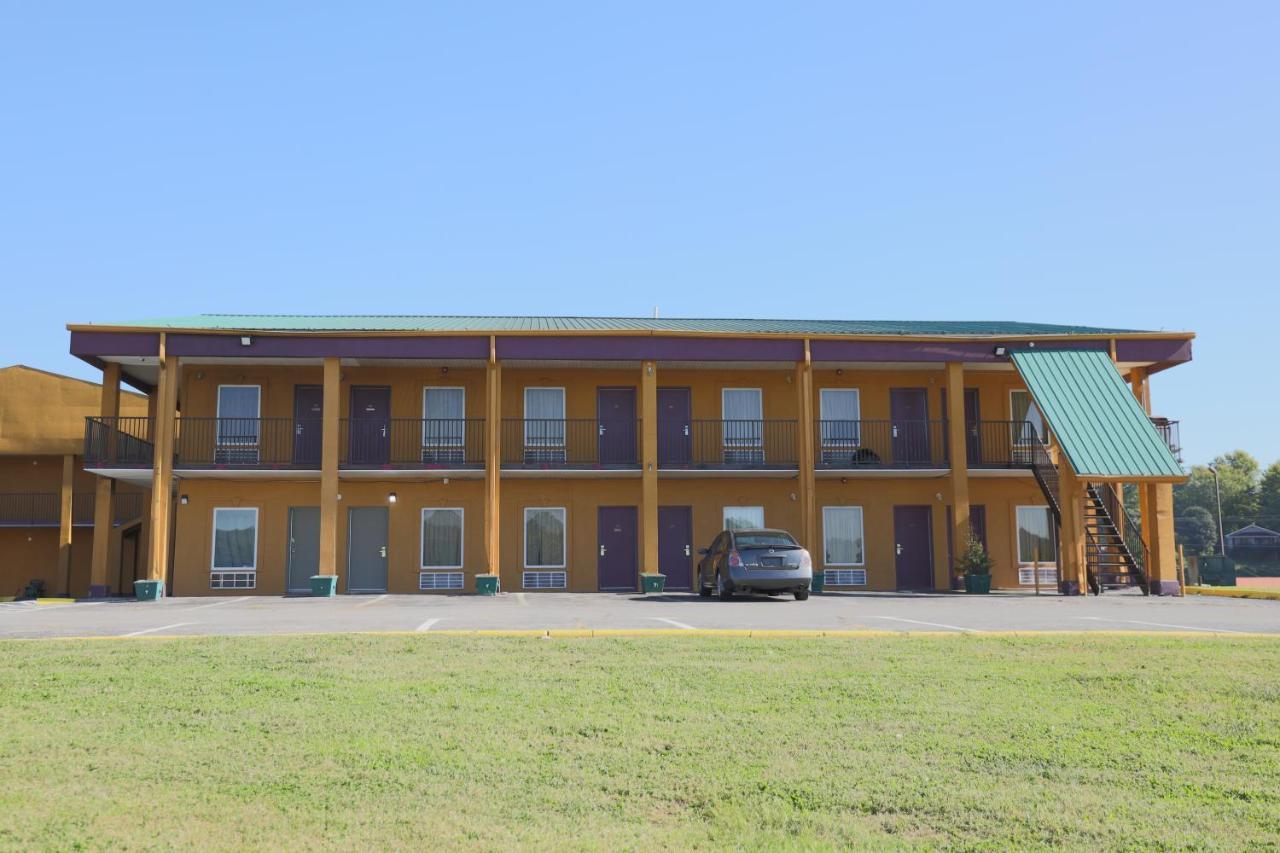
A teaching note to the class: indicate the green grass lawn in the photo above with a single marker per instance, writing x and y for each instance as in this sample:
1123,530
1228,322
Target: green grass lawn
374,742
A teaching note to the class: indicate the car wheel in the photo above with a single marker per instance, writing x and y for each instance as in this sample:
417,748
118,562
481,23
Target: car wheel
723,589
802,595
703,589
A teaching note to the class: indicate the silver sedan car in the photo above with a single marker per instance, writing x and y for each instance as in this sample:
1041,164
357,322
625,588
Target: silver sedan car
746,561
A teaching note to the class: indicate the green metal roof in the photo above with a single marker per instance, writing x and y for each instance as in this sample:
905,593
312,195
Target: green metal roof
437,323
1099,424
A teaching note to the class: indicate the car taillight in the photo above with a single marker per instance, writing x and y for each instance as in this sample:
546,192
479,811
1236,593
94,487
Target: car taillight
735,561
805,561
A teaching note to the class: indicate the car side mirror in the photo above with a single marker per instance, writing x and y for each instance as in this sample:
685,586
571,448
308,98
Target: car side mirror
702,552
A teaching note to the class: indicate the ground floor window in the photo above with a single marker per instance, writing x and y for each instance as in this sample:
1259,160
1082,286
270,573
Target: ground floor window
544,538
1036,545
842,536
743,517
441,538
235,548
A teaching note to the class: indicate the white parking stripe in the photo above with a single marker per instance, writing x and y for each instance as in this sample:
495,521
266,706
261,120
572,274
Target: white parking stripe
1163,625
161,628
219,603
918,622
523,602
372,600
672,622
22,607
426,626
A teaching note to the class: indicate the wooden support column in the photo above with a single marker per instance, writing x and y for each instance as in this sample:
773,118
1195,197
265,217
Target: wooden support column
1072,567
105,490
1162,572
805,428
64,521
1141,385
163,433
957,451
493,462
330,439
649,467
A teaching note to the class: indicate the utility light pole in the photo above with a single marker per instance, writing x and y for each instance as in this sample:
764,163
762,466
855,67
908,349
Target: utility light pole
1217,490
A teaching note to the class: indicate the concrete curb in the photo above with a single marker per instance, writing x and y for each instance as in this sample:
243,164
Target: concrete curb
1233,592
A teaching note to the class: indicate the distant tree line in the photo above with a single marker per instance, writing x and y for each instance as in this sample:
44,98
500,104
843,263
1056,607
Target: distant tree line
1250,495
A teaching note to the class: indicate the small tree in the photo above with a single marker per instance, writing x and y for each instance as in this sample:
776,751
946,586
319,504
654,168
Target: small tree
974,559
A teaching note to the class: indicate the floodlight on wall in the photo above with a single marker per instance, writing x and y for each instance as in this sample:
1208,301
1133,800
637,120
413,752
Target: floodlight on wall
245,340
184,500
1000,352
391,497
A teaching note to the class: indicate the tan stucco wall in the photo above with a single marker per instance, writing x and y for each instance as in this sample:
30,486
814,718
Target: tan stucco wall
43,413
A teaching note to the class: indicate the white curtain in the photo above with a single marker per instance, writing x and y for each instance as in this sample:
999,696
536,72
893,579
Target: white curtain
235,538
544,538
441,538
840,411
842,535
1035,535
743,517
544,417
444,411
743,412
1024,409
238,414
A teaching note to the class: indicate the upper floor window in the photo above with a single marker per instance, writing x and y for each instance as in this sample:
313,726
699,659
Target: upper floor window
743,410
1024,409
544,417
444,412
839,410
239,407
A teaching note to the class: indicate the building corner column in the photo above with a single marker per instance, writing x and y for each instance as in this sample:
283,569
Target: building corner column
65,518
1072,564
490,582
958,454
330,443
649,468
163,434
105,489
806,430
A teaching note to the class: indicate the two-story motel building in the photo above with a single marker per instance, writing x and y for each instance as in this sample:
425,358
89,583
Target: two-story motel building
418,453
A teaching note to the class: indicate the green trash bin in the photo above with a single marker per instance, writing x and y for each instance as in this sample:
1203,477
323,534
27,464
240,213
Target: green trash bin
486,584
817,582
1218,571
148,590
653,583
324,586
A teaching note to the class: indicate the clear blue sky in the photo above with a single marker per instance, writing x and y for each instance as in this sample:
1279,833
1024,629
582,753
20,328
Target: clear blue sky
1085,164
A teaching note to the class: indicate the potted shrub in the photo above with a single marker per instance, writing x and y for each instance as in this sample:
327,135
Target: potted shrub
975,564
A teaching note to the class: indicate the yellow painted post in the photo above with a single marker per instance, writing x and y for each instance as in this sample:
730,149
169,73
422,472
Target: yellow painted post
1035,574
957,450
166,402
1182,571
105,488
493,465
330,445
64,521
1071,545
649,467
805,427
1162,574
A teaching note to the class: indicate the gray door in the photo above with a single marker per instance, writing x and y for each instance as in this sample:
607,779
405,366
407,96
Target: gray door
304,548
367,549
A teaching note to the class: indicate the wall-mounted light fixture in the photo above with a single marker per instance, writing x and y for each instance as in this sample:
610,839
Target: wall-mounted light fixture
1000,352
444,371
391,497
245,340
184,500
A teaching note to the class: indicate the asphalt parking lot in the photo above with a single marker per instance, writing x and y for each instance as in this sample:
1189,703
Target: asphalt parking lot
258,615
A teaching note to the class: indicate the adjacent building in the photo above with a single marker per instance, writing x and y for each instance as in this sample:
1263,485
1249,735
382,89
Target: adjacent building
421,453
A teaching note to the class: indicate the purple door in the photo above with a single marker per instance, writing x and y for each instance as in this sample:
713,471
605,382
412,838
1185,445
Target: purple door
617,566
972,440
308,418
370,426
913,546
616,426
675,546
909,413
674,440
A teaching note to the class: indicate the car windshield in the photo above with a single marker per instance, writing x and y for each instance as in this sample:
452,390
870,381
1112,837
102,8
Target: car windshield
764,540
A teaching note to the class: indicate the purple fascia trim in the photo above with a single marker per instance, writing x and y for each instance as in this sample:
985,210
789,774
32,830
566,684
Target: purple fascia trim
1170,351
114,344
1069,587
1164,588
931,351
297,346
605,348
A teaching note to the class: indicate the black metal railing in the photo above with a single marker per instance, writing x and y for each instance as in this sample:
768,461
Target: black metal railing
1001,444
881,444
124,442
44,509
570,443
248,443
411,443
730,445
1171,432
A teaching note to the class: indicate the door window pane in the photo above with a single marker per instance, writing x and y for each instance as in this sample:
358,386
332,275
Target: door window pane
441,538
444,412
238,408
544,417
1035,536
743,517
235,538
544,537
839,411
743,410
842,535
